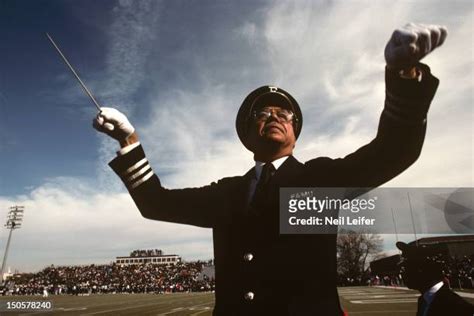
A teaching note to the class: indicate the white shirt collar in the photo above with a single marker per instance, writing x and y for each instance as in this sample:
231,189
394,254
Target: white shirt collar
429,295
276,163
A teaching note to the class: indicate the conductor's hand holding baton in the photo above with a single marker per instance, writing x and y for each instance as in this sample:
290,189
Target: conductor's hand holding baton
109,121
115,124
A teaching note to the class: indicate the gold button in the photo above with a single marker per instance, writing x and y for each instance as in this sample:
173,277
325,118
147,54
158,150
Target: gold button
248,257
249,296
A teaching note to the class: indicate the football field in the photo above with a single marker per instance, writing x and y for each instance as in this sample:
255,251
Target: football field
358,301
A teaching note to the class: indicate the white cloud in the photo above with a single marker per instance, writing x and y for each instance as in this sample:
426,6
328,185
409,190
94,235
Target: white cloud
131,38
67,222
195,144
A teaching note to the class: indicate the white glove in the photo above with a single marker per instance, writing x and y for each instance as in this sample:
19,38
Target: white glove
410,44
113,123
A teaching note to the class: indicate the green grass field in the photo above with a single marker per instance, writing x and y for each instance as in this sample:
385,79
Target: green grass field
357,301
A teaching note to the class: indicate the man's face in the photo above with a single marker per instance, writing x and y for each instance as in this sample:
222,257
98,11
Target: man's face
276,128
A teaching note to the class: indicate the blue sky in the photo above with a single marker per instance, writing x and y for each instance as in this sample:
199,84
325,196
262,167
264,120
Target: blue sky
179,70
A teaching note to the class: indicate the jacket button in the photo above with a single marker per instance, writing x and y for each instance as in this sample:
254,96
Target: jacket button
249,296
248,257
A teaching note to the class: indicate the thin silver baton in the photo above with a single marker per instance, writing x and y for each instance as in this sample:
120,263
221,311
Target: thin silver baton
74,73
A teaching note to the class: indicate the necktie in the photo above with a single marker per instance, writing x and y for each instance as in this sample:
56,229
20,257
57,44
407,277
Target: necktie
261,190
423,306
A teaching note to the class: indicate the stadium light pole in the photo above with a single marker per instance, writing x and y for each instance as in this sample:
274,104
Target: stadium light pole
412,220
14,218
395,225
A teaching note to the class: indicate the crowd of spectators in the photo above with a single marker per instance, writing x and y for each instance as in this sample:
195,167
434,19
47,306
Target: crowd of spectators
180,277
458,272
112,278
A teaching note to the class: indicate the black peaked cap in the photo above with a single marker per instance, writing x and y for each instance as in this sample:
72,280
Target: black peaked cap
417,253
261,97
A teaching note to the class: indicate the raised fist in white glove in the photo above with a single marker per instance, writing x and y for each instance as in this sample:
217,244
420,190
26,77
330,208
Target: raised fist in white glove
113,123
411,43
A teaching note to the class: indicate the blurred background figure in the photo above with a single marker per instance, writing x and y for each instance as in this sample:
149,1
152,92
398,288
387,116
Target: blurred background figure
421,270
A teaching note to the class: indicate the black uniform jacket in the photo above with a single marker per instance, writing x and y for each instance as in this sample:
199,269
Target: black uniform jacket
287,274
446,302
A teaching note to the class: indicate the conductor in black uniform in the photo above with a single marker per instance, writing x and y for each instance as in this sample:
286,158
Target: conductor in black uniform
259,271
423,272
